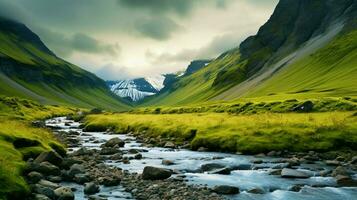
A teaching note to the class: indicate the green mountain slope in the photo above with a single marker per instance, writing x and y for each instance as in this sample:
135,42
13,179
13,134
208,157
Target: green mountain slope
30,70
305,50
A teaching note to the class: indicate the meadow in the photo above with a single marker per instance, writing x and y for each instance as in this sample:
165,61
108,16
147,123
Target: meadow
249,134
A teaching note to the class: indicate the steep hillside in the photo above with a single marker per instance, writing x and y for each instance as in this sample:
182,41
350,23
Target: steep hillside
306,49
30,70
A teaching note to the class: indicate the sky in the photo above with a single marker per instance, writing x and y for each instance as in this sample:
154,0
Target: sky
122,39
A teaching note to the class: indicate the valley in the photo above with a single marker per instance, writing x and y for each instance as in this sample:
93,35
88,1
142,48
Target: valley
274,117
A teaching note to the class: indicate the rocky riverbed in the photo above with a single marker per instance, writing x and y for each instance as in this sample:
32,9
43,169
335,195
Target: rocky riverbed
102,165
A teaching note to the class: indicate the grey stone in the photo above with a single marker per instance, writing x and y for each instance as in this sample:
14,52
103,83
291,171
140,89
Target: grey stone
292,173
64,193
91,188
155,173
226,189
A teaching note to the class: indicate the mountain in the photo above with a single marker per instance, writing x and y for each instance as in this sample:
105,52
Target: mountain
137,89
306,49
195,66
28,69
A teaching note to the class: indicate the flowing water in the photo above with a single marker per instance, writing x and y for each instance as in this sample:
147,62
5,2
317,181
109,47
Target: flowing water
188,162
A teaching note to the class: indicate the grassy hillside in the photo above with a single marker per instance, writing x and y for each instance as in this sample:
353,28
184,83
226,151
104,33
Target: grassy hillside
19,140
28,69
281,62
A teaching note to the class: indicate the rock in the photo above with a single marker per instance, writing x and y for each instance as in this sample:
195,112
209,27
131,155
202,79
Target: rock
339,171
109,181
82,178
167,162
55,179
224,171
295,188
256,191
280,166
154,173
48,184
226,189
133,151
243,167
202,149
272,153
138,156
211,166
114,142
49,156
48,192
306,106
275,172
64,193
257,161
345,181
68,162
169,145
34,177
83,151
91,188
41,197
292,173
76,169
332,162
354,160
45,168
109,151
117,156
38,124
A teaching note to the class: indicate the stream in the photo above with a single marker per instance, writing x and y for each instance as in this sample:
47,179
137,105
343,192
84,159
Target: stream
246,175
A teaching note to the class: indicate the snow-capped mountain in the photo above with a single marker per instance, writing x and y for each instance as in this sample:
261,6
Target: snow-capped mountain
137,89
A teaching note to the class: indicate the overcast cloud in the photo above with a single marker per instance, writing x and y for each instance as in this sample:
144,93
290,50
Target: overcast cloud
132,38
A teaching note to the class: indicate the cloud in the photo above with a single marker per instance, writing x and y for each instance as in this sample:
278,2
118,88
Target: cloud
182,7
113,72
80,42
157,28
217,46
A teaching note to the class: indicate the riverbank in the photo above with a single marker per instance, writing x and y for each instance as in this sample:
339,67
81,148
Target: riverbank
248,134
105,165
22,137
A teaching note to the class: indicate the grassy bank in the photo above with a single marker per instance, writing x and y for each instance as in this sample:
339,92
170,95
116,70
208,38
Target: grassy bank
244,133
253,106
19,140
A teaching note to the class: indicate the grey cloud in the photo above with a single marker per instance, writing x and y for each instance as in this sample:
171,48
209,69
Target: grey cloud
156,28
80,42
217,46
113,72
181,7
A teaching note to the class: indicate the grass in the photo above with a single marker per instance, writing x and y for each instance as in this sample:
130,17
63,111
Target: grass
20,141
244,133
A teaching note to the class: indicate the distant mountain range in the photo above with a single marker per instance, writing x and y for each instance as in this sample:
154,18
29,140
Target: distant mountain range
139,88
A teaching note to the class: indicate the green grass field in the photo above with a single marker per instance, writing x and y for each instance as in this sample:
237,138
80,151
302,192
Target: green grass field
15,127
244,133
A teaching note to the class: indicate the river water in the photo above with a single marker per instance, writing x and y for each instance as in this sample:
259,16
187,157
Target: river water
188,162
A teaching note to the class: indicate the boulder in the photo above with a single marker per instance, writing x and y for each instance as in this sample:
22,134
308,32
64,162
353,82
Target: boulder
292,173
295,188
34,177
226,189
117,156
306,106
155,173
55,179
133,151
82,178
109,181
345,181
48,184
83,151
91,188
211,166
256,191
45,168
41,197
169,145
109,151
332,162
354,160
49,156
64,193
138,156
167,162
339,171
114,142
48,192
76,169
